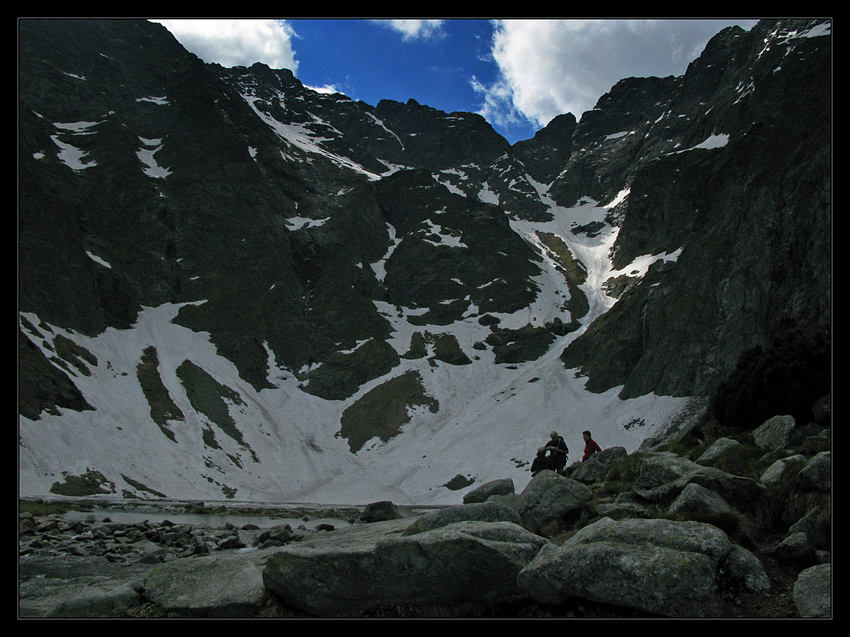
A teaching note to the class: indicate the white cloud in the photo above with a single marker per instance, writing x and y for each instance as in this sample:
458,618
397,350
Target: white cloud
549,67
327,89
236,42
415,29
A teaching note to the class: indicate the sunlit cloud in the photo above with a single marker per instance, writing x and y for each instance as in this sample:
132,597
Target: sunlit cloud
549,67
237,42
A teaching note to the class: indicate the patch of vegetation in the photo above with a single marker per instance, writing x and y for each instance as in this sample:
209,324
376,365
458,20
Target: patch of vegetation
784,503
39,508
210,397
90,483
573,270
162,407
698,439
382,411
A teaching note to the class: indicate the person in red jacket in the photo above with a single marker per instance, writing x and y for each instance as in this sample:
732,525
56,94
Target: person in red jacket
590,446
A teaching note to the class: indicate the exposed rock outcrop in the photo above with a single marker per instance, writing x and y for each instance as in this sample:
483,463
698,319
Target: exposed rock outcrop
674,569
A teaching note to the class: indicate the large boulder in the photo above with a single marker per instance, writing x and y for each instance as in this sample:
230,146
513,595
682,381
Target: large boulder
774,433
662,567
477,511
494,487
458,563
813,591
548,499
697,500
595,467
816,525
662,477
783,467
216,585
717,450
817,474
796,548
111,603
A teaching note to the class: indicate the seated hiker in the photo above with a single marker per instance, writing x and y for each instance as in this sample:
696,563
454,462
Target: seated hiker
541,462
590,446
557,451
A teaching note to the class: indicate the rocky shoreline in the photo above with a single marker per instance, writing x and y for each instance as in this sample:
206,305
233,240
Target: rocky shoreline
72,553
734,528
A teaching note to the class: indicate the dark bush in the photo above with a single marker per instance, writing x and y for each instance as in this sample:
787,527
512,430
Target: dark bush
785,378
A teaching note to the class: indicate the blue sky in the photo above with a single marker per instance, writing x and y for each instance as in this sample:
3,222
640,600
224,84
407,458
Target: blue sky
518,74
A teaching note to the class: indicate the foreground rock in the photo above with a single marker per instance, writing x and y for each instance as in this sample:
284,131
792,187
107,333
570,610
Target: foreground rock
500,547
357,572
114,602
812,591
595,467
675,569
664,476
225,585
547,502
475,512
494,487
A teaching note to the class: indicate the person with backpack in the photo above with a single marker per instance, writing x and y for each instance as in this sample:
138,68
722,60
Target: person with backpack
558,451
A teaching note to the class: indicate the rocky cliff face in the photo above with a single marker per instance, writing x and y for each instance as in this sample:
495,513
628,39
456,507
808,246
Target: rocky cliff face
730,164
329,246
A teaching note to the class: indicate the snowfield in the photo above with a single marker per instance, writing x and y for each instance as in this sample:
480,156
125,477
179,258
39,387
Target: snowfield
491,417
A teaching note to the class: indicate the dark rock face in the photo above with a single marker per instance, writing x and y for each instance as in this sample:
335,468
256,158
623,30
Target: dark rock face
753,217
213,198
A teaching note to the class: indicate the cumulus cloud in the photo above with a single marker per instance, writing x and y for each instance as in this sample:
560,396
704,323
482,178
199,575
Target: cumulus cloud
237,42
549,67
